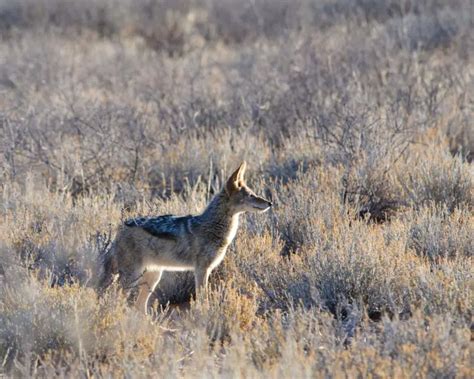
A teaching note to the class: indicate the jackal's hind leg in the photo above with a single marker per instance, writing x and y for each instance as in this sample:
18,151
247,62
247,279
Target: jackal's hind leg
147,284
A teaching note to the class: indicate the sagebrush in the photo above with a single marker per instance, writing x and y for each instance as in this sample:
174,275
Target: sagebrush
357,120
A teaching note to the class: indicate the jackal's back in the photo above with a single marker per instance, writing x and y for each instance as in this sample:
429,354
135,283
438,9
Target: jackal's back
166,226
152,242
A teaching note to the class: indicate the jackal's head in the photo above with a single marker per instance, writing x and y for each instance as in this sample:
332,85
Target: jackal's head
241,197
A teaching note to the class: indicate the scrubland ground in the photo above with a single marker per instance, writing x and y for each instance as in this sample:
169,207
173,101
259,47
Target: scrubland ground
356,119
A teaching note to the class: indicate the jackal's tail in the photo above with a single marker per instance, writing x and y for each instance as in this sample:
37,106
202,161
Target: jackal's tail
107,268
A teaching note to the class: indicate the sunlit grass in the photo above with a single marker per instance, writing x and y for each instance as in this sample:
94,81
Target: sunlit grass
355,121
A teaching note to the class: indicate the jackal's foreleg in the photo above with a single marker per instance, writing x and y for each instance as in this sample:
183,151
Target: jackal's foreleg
201,277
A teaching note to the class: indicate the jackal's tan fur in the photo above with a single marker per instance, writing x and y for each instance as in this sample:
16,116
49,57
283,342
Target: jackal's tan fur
145,247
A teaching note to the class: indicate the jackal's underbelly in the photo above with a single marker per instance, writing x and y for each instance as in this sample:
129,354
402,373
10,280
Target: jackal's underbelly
158,267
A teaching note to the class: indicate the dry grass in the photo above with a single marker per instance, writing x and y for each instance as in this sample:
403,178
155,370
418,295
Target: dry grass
356,121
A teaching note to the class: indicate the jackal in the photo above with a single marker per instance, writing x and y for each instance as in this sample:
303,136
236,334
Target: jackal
145,247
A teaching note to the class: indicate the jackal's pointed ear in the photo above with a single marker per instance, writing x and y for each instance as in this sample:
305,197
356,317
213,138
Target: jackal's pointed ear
236,179
241,171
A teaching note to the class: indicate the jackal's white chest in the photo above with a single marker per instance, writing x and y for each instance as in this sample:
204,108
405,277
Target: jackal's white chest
234,225
228,239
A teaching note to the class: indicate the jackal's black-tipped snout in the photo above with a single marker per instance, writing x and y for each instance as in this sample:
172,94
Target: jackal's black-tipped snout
265,206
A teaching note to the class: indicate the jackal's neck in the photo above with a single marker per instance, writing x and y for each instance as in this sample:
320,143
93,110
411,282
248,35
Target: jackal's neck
219,220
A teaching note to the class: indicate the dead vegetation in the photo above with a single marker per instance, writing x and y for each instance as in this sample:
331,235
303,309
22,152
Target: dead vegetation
357,123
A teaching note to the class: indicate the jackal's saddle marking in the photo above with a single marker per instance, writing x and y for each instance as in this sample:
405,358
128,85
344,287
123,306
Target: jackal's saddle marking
166,226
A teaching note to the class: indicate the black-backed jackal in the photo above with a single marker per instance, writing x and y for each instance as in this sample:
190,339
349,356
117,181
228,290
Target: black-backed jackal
145,247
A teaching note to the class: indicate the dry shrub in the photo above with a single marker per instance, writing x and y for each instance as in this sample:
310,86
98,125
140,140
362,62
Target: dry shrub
437,234
361,267
224,312
413,347
257,261
461,140
43,327
47,232
39,319
309,205
348,115
442,180
368,145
